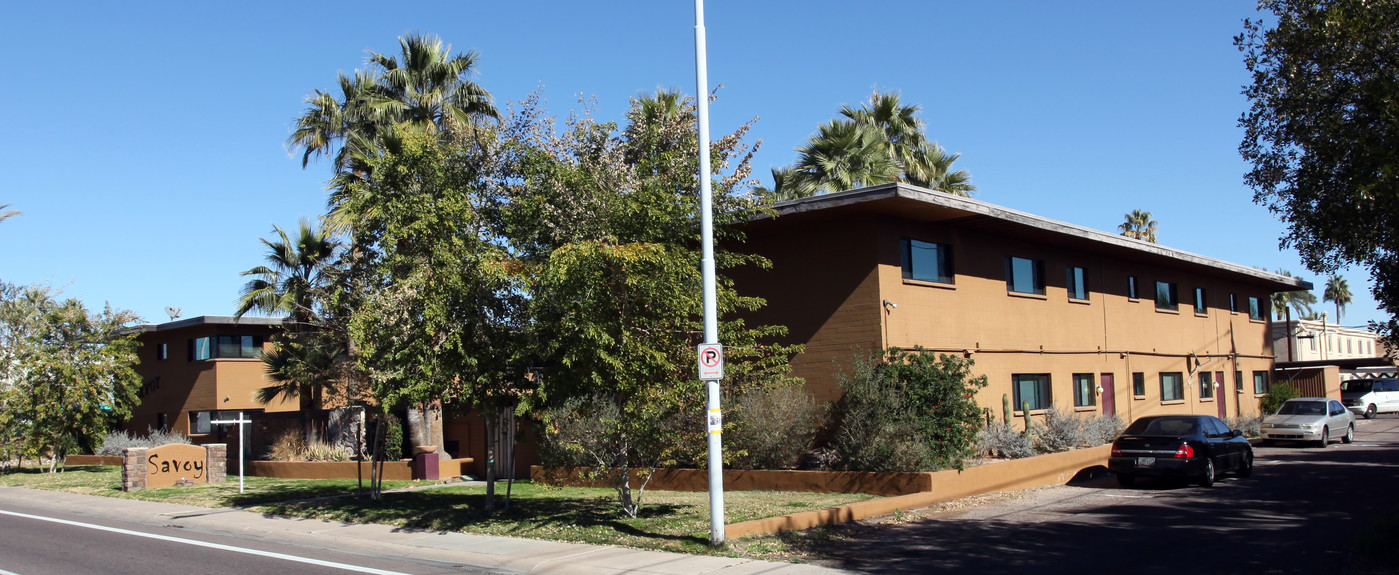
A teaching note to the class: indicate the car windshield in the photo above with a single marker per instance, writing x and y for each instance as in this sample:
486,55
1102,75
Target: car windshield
1302,408
1357,386
1175,426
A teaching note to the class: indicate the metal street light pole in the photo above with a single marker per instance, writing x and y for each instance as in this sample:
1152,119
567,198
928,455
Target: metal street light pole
711,368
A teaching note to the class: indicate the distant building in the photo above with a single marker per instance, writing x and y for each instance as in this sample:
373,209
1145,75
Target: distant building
1053,314
1315,340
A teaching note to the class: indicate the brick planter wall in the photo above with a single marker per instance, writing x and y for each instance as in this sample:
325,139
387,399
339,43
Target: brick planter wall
133,468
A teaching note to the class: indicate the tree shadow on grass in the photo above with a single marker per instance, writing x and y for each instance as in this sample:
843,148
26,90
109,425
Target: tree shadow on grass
531,516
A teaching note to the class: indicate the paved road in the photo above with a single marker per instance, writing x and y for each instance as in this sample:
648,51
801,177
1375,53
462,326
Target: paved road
1299,513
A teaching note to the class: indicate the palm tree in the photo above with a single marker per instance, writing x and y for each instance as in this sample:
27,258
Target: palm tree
882,141
1284,302
7,214
1338,291
293,283
423,86
1139,225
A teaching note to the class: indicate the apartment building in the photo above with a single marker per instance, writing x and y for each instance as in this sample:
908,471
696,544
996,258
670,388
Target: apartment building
1053,314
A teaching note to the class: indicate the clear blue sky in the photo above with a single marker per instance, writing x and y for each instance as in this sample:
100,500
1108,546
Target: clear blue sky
144,142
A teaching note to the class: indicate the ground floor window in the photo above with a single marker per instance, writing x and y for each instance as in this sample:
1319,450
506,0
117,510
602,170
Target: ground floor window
1139,384
1172,386
1260,382
1206,385
1238,382
1032,388
1083,390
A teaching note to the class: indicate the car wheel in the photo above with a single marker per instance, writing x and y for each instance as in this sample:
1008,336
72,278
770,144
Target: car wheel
1350,434
1125,480
1207,479
1267,443
1246,470
1325,437
1370,411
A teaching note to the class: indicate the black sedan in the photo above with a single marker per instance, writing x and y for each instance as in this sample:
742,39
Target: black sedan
1191,447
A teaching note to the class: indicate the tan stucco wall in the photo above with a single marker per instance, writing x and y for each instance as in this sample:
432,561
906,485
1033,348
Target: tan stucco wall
830,276
176,386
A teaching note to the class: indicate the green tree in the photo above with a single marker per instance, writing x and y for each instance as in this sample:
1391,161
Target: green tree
68,372
439,316
606,221
908,411
1320,133
1337,292
1139,225
882,141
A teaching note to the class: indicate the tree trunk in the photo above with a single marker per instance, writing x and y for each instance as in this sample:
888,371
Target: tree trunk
624,482
490,461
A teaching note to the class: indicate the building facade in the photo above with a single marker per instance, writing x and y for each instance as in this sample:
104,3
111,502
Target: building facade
203,369
1317,340
1051,313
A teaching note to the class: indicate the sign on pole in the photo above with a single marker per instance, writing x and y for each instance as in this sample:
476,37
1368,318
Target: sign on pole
241,438
711,361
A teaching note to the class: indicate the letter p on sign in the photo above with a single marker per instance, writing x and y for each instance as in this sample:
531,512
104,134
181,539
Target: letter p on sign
711,361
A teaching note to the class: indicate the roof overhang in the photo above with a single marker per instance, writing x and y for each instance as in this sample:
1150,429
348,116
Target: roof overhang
922,204
210,320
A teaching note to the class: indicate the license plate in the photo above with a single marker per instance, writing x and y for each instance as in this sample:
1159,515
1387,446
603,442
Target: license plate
1146,461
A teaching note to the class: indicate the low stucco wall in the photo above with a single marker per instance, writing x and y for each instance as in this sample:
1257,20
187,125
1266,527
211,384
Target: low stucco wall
1051,469
92,460
393,470
883,484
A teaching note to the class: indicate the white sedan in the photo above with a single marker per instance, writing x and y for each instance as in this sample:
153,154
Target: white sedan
1310,419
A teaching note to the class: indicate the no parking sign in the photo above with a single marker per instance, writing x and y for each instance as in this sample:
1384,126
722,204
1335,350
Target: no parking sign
711,361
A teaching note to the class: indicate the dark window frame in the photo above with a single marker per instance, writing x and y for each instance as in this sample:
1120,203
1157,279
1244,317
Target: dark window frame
1138,384
1036,275
1201,301
1133,290
1076,282
1171,295
943,271
1260,382
1043,392
1255,309
1176,391
1206,380
1084,389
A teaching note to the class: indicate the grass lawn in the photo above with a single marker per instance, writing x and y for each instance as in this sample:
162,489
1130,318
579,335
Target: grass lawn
669,521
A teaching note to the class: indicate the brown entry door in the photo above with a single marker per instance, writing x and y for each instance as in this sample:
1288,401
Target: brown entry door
1109,395
1221,398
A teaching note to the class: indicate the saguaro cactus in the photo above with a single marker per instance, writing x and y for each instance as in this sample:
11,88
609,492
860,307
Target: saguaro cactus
1005,408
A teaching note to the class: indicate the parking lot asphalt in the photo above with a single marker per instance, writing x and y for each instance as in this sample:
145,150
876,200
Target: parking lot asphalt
1300,512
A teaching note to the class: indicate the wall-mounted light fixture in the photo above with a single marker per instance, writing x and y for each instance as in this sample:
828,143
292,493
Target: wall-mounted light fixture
890,305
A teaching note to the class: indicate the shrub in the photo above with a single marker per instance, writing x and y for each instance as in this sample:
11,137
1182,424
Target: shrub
289,446
912,412
322,451
1000,439
1102,429
772,428
116,441
1277,394
1251,425
570,433
1062,431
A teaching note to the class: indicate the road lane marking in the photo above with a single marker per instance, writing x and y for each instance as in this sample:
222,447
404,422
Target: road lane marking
284,557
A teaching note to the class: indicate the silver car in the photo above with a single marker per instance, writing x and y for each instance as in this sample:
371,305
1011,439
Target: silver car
1311,419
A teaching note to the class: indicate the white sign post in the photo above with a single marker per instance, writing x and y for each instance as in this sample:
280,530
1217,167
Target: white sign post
240,421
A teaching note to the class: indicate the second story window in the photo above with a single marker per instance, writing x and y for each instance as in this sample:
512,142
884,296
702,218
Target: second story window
1077,283
1255,309
1200,306
225,346
1166,297
1024,275
1132,292
926,261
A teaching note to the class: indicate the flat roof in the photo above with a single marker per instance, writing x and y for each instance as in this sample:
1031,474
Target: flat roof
209,320
927,205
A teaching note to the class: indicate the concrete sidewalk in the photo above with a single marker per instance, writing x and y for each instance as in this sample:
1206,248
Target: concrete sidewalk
506,554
